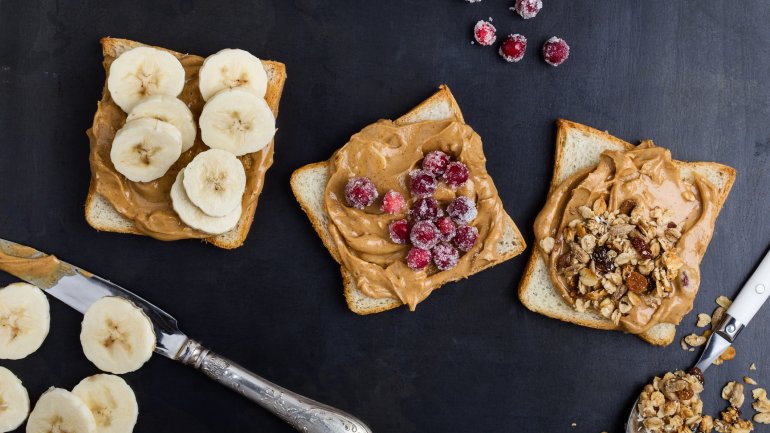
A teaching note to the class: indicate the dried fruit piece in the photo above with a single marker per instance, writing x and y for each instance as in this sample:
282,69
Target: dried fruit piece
426,209
360,192
445,256
513,48
393,203
484,33
424,235
446,228
418,258
462,210
636,282
555,51
466,237
601,260
422,183
399,231
641,247
528,8
627,206
456,174
435,162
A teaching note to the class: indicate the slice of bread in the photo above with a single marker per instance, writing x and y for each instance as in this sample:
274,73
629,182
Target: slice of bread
578,147
309,184
103,217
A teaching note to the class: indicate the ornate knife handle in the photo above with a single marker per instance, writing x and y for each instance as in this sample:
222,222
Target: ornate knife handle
300,412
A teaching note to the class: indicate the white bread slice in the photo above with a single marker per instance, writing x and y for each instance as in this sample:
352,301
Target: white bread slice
578,147
309,184
103,217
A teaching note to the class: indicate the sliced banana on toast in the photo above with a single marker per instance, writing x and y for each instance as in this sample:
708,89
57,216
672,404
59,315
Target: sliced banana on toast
196,218
111,401
215,181
168,109
24,320
58,410
116,335
14,401
237,121
144,149
141,72
232,68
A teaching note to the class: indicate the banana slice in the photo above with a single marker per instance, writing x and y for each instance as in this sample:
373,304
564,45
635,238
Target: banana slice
232,68
196,218
14,401
142,72
215,181
144,149
111,401
168,109
237,121
116,335
58,410
24,320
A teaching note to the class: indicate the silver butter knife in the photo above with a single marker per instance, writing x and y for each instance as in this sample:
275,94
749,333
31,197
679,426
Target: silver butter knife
79,289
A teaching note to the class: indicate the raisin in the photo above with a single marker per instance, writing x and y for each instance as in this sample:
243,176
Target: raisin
636,282
671,225
564,260
695,371
627,206
601,260
685,394
641,247
685,279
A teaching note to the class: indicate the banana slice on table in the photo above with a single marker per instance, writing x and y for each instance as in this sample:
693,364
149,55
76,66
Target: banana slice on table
111,401
14,401
196,218
58,410
24,320
215,181
144,149
116,335
232,68
141,72
168,109
237,121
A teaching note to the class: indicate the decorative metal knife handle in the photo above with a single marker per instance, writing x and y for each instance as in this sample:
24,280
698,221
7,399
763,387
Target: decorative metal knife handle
300,412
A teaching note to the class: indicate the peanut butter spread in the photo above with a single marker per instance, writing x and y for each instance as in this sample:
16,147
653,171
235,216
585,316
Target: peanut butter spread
386,153
148,204
32,265
626,237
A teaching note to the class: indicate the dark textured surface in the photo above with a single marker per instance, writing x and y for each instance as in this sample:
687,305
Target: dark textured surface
692,75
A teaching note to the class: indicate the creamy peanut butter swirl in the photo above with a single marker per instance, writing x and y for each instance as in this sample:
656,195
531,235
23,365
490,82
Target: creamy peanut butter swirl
31,265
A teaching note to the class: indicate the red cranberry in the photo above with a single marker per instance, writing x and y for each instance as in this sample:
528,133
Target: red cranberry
424,235
417,258
393,202
422,183
456,174
426,209
484,33
513,47
435,162
462,210
555,51
360,192
447,228
445,256
466,237
399,231
528,8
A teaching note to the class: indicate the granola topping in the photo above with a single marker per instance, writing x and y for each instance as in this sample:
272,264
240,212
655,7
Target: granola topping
672,404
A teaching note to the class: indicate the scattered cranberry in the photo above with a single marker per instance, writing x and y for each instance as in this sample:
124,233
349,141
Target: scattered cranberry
456,174
417,258
528,8
484,33
422,183
435,162
393,202
424,235
426,209
466,237
399,231
513,47
446,227
445,256
462,210
555,51
360,192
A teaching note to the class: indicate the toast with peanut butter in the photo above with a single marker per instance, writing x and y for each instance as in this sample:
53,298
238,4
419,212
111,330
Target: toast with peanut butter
370,256
621,237
116,205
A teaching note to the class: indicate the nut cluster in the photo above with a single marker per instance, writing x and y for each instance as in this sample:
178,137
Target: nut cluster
672,404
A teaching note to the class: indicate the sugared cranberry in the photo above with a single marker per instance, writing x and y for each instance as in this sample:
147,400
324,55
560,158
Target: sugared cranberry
417,258
528,8
399,231
513,47
424,235
360,192
484,33
445,256
462,210
422,183
393,202
426,209
446,227
435,162
555,51
466,237
456,174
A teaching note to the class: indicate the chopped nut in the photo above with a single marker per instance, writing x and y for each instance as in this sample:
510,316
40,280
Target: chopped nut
588,277
706,424
753,367
724,302
599,206
703,320
547,244
759,393
717,316
673,234
588,242
748,380
733,392
695,340
762,417
586,212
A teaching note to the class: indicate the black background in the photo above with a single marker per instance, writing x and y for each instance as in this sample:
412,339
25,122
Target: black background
692,75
